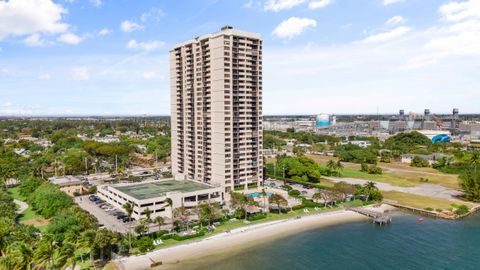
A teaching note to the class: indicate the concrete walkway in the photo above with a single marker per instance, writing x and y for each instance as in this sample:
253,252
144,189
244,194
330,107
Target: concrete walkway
22,206
430,190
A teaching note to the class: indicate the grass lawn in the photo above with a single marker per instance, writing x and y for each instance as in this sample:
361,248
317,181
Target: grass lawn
418,201
397,174
29,217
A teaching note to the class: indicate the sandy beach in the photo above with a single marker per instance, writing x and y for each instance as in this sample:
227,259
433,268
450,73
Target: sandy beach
236,240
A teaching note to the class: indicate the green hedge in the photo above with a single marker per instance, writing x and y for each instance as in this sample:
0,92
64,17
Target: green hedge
257,216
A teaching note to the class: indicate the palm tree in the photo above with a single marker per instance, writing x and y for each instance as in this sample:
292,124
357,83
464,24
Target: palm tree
239,201
279,200
87,240
19,256
45,251
183,214
8,262
159,221
264,195
103,239
66,256
148,215
475,160
339,166
331,167
129,209
370,185
170,204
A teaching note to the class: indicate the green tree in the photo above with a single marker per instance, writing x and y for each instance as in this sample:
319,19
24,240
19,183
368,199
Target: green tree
419,162
470,179
159,221
278,200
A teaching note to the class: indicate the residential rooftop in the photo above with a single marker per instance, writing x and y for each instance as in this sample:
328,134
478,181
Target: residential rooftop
155,189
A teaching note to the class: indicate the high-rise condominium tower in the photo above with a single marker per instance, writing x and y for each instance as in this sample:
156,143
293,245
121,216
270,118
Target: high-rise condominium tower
216,103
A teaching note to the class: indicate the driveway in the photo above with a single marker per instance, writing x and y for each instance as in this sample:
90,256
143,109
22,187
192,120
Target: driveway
430,190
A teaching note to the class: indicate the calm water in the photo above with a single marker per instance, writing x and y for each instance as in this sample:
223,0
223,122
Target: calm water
405,244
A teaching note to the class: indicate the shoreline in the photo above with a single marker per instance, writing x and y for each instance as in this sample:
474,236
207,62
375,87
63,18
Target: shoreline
236,240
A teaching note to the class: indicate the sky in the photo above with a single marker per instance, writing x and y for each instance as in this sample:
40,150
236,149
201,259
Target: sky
110,57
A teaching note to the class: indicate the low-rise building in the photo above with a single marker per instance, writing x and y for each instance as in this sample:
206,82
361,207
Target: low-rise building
69,184
154,195
407,158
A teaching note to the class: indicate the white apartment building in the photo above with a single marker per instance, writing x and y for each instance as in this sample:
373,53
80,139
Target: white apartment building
216,109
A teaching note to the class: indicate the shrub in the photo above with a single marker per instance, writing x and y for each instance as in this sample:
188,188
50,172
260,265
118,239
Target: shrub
429,208
294,193
462,210
144,244
419,162
297,207
287,187
257,216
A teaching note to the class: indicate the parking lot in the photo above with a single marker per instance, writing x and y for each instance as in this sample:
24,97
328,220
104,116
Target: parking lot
305,190
107,216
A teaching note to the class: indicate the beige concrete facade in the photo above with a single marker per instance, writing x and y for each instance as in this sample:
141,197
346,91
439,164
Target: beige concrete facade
158,204
216,109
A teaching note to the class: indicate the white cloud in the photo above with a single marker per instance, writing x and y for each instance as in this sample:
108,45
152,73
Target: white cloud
389,2
248,4
3,72
44,77
460,37
34,41
154,13
80,74
396,20
104,32
150,75
70,38
129,26
319,4
23,17
456,11
389,35
293,27
96,3
277,5
146,46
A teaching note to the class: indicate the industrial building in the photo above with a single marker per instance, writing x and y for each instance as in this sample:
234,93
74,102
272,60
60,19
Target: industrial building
216,109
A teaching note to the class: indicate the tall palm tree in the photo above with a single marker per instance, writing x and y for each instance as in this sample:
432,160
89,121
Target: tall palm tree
170,204
45,252
264,195
159,221
66,256
87,240
331,167
19,256
71,237
148,215
339,166
103,240
129,209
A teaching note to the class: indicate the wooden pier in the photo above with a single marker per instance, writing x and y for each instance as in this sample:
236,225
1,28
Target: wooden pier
377,217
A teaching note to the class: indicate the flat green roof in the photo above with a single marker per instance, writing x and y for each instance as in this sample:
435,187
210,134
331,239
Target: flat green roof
156,189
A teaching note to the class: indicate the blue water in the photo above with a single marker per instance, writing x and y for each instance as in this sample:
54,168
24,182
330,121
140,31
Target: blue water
405,244
258,194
